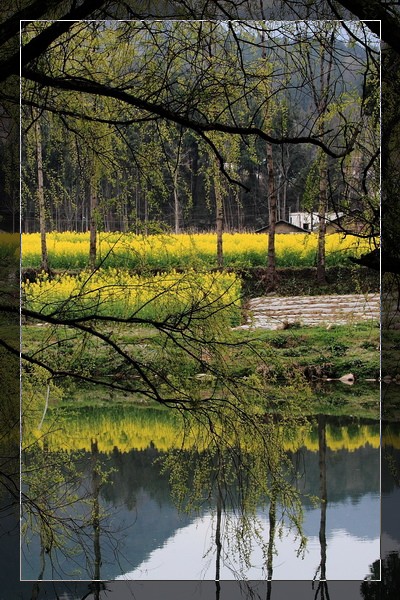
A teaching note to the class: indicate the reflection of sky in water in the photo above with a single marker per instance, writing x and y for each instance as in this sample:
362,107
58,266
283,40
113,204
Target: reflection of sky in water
352,545
157,542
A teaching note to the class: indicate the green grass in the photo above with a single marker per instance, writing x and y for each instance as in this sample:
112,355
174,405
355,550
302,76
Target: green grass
288,359
294,361
332,352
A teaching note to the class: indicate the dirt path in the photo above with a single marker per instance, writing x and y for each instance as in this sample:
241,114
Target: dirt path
273,312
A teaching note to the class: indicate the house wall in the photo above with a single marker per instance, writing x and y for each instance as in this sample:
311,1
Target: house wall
310,221
351,225
286,228
305,220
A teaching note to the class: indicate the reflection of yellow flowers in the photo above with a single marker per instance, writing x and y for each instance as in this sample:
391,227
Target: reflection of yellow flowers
137,429
118,428
341,438
71,250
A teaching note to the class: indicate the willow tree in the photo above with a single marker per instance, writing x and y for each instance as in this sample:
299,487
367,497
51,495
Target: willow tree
318,57
381,16
97,144
174,153
265,89
216,185
321,97
339,111
220,100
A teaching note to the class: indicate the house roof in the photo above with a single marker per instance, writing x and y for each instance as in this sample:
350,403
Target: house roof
283,222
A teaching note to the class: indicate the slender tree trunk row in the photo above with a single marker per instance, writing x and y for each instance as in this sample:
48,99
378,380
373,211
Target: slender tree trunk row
40,194
271,265
219,219
92,221
323,202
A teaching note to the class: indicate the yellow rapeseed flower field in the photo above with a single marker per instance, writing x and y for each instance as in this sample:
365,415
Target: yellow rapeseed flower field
70,250
119,293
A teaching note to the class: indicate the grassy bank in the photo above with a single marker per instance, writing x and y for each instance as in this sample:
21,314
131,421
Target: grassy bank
294,363
299,362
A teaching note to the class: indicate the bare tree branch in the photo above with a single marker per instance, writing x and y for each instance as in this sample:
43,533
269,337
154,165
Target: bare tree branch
201,127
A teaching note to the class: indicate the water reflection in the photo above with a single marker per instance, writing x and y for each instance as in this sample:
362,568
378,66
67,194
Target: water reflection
196,561
387,568
321,570
136,531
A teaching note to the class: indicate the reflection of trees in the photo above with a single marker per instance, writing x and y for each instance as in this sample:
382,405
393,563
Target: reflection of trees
62,514
322,588
271,541
49,488
271,537
388,570
136,476
218,543
241,468
131,472
351,477
96,484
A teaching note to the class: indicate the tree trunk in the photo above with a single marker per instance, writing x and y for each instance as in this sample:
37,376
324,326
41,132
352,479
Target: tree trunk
285,169
177,216
146,215
219,220
326,64
44,265
177,207
125,218
323,200
92,223
271,264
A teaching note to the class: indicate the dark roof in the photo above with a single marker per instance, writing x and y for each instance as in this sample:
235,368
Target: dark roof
283,222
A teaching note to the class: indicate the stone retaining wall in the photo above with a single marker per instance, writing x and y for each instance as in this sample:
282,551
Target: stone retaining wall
273,312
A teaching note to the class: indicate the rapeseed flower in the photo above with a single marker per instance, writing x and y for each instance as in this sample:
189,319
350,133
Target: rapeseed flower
70,250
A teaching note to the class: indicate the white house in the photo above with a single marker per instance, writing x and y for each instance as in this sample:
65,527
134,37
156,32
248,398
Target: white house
309,220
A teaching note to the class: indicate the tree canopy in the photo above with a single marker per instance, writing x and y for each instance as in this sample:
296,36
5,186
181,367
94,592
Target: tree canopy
173,86
117,88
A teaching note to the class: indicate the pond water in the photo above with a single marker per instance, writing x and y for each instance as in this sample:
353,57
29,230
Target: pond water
195,546
142,535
